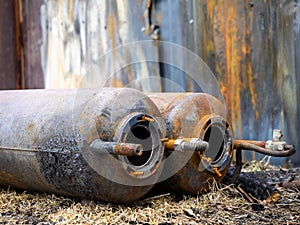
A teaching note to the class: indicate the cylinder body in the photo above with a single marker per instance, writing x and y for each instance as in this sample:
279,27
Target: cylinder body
45,138
201,116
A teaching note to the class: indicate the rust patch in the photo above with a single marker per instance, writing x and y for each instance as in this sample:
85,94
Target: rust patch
11,180
111,30
252,90
116,82
169,144
71,10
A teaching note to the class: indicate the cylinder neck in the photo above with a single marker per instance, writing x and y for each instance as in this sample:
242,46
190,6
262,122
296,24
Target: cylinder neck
141,129
216,131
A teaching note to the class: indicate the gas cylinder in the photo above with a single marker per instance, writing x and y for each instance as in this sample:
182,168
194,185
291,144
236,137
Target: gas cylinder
94,144
195,116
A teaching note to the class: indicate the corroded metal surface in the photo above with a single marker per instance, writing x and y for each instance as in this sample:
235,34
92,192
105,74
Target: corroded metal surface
196,116
45,137
127,149
190,116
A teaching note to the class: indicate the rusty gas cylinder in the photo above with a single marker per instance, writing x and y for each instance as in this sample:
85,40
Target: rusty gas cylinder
195,116
94,144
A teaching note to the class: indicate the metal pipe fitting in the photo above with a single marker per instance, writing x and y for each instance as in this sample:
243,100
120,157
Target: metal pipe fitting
126,149
192,144
287,150
260,147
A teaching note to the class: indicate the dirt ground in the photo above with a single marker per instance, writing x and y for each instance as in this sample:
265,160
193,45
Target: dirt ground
223,205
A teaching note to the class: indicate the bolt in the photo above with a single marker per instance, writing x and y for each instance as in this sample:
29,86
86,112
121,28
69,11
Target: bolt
164,139
216,170
195,144
208,160
144,117
200,144
137,173
277,135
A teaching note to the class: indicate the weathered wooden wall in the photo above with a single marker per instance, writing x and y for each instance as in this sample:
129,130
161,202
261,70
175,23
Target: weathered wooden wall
32,40
252,47
79,36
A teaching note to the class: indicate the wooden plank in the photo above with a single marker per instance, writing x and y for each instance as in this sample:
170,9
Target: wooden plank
8,63
222,39
251,48
296,160
261,54
32,40
291,89
89,44
273,64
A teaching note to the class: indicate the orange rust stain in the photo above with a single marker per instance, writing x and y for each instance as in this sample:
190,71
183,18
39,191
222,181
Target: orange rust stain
169,144
172,101
223,89
245,50
252,90
71,10
216,170
116,82
177,123
9,179
136,173
233,64
111,30
210,5
210,12
119,149
147,118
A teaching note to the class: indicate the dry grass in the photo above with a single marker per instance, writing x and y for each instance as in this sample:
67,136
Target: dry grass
223,205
